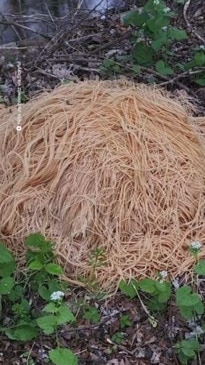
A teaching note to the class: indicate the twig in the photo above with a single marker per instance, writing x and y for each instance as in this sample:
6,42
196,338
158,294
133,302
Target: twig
188,24
183,75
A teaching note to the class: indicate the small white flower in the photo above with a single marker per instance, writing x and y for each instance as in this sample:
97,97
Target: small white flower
196,245
166,10
164,29
57,295
156,2
163,274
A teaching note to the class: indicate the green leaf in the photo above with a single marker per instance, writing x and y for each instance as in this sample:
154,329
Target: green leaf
201,82
7,269
129,289
23,332
186,312
135,19
147,285
189,353
64,315
38,242
54,269
199,58
92,314
182,294
5,255
117,337
143,54
125,321
15,293
136,69
159,42
163,69
177,34
47,324
6,284
44,292
51,308
199,308
190,344
35,265
155,25
61,356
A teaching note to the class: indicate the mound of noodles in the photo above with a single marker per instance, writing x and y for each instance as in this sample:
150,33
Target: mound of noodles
111,172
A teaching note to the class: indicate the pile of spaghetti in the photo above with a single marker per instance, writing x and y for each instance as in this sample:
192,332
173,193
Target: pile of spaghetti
111,172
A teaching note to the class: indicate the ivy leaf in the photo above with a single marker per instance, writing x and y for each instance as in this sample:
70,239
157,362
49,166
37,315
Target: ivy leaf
62,356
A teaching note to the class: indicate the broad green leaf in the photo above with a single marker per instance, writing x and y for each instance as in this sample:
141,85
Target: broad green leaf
6,284
147,285
135,19
64,315
23,332
200,267
186,312
47,324
38,242
50,308
182,294
199,58
200,81
34,240
190,344
163,69
199,308
177,34
54,269
143,54
7,269
44,292
128,289
5,255
35,265
155,25
63,356
15,293
189,353
159,42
